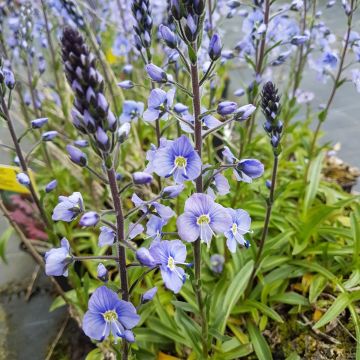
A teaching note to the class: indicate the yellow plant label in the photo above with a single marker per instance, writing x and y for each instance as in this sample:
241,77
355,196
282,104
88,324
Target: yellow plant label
8,180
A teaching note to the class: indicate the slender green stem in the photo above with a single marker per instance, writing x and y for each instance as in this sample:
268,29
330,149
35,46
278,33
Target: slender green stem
269,204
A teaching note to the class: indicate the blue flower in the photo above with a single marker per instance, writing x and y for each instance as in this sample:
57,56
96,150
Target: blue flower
169,254
172,191
121,46
68,208
132,110
249,169
135,230
108,315
106,237
58,259
178,159
165,212
217,263
154,227
159,103
245,170
241,222
202,218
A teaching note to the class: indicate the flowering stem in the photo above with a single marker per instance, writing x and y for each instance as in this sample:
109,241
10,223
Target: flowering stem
199,189
120,238
269,204
22,160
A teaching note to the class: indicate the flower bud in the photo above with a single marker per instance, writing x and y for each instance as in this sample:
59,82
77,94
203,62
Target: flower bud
49,135
226,107
39,123
76,155
81,143
9,78
90,218
191,28
251,167
156,74
215,47
102,139
102,273
126,84
142,178
176,9
123,132
244,112
199,6
149,295
51,186
168,36
23,179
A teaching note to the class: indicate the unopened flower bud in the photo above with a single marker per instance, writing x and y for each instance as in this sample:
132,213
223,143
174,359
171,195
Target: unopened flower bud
51,186
76,155
215,47
39,123
90,218
168,36
226,107
102,273
23,179
142,178
156,74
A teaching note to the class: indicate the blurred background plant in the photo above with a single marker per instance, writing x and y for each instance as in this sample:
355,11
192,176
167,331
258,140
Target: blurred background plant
301,297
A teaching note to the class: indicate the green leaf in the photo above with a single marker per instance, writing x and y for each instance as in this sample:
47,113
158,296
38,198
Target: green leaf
355,229
293,356
191,330
3,243
317,286
341,302
192,54
291,298
313,181
233,294
258,342
95,354
266,310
